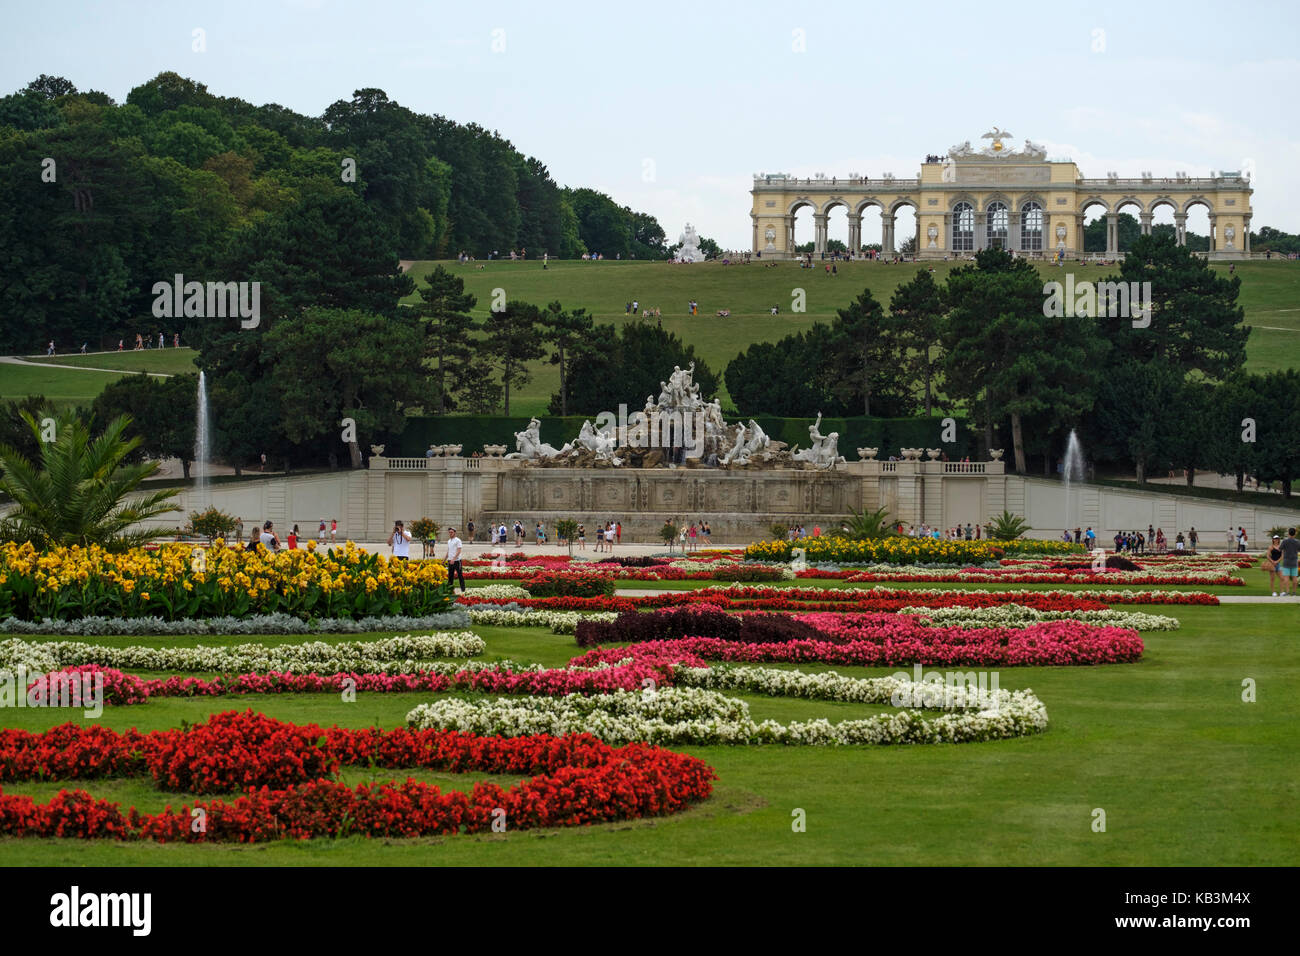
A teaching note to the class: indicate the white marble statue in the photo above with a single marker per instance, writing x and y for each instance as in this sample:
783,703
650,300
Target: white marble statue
603,444
751,442
690,246
961,149
530,445
824,451
770,236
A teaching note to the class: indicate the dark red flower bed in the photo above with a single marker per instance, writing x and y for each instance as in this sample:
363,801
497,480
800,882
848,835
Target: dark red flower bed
701,621
575,780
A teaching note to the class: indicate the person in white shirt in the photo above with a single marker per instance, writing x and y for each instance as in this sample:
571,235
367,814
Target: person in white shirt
454,569
400,540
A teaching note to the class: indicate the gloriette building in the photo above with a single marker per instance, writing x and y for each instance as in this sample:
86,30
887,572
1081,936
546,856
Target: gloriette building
998,196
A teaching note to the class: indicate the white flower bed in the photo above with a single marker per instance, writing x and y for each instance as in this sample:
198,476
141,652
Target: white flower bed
560,622
395,655
696,715
499,591
1017,615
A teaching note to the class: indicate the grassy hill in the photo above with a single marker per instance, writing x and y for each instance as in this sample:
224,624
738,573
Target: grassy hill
1270,294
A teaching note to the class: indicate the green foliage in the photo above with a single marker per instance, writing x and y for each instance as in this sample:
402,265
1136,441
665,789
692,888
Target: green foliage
778,531
445,311
566,529
513,340
368,372
668,533
864,525
1007,527
162,413
80,491
613,365
211,523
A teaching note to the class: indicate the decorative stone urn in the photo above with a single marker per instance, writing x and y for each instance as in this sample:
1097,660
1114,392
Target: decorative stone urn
377,450
995,454
911,454
494,451
932,453
868,454
439,450
452,451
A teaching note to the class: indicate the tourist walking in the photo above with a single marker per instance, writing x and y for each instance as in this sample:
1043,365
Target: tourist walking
293,539
334,530
321,532
582,537
454,568
1192,539
609,538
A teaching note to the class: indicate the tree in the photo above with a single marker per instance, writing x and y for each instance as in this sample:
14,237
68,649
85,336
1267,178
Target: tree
369,373
163,413
1132,412
51,87
565,330
867,346
907,247
80,491
512,342
1005,357
624,365
445,312
1195,321
916,311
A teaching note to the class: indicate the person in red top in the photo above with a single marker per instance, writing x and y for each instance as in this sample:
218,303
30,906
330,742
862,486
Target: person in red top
293,539
618,532
334,528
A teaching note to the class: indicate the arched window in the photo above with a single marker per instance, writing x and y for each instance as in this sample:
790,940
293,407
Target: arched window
963,227
1031,227
996,229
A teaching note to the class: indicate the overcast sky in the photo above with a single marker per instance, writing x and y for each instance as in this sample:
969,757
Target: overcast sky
671,107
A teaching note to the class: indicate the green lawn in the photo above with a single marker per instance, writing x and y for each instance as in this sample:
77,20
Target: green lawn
1187,773
1270,294
66,386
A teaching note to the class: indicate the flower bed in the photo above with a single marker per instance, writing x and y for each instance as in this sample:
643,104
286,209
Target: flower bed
278,623
1016,615
575,780
392,655
691,715
875,640
898,549
582,584
559,622
171,582
750,598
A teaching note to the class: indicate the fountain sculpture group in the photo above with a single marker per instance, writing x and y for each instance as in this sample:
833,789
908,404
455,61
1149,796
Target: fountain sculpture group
678,429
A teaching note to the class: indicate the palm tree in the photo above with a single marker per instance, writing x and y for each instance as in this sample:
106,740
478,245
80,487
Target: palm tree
77,492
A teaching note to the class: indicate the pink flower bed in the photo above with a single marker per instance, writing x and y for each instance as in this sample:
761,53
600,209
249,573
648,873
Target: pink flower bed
866,640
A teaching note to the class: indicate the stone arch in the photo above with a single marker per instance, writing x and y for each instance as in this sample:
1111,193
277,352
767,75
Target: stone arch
1124,207
895,235
1200,201
832,203
866,204
1091,201
798,204
1162,201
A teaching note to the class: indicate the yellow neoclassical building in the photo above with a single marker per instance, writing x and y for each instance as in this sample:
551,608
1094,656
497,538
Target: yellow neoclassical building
998,196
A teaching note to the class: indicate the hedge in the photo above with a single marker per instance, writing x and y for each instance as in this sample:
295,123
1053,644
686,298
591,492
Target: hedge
886,434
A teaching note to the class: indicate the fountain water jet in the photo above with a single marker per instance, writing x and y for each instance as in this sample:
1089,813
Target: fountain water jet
1071,470
202,448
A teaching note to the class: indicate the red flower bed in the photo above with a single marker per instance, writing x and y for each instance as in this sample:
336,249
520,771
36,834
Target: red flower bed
885,640
575,780
549,682
832,599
